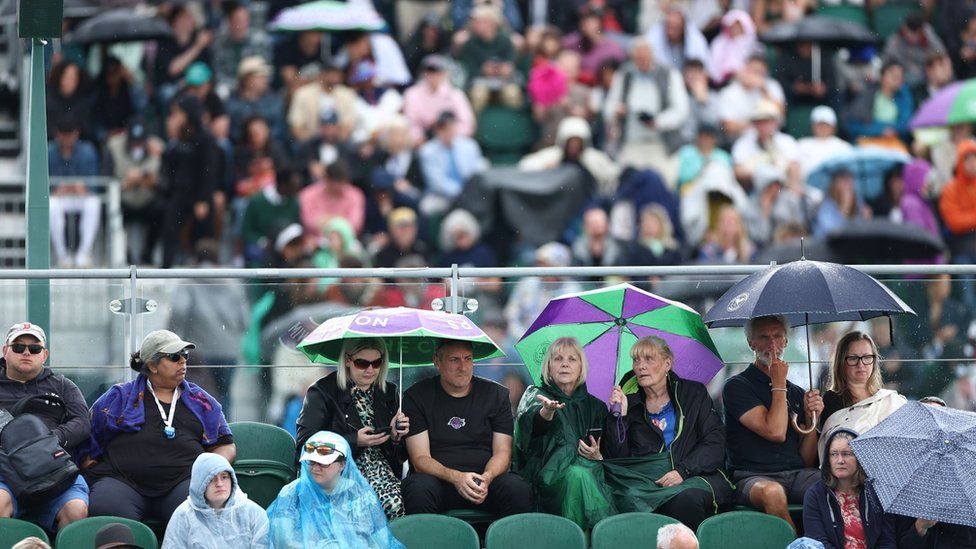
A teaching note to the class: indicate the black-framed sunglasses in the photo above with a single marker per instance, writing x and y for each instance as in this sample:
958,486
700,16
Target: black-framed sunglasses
866,360
175,357
362,363
34,348
322,449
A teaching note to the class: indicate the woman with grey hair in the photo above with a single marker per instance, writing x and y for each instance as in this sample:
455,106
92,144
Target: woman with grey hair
357,402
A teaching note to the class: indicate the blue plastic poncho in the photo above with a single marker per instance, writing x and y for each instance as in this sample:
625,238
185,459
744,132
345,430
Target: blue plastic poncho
305,516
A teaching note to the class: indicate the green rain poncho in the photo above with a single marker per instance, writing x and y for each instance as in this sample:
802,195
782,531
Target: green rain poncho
568,484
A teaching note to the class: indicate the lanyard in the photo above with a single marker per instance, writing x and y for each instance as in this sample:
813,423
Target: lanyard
168,428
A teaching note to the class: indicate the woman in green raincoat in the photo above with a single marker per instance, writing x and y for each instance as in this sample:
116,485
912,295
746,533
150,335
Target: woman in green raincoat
557,440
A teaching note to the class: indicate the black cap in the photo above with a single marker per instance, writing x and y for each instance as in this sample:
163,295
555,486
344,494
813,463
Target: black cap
115,535
66,124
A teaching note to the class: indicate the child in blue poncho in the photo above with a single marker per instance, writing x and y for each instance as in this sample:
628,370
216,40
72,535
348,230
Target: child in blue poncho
330,504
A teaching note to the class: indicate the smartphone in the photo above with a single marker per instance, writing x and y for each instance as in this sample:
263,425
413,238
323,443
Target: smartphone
382,430
595,433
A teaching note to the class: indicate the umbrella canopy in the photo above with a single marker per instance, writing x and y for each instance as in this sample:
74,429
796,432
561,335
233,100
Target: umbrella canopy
607,322
869,165
412,332
805,292
921,461
119,25
881,241
953,104
825,31
328,15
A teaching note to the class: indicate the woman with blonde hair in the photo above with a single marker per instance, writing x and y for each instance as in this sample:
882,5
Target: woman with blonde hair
855,398
557,438
357,402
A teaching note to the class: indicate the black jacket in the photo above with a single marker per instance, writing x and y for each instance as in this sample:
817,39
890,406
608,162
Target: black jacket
699,445
940,536
822,519
326,408
75,428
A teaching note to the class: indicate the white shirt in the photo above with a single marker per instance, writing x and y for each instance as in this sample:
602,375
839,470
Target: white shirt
737,103
814,150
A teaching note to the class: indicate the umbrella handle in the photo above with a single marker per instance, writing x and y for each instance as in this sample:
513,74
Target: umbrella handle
808,430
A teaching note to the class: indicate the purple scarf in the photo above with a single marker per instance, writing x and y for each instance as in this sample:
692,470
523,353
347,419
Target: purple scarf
121,410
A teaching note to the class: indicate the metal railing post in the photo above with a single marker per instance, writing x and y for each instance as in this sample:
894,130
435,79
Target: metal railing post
38,193
133,322
455,306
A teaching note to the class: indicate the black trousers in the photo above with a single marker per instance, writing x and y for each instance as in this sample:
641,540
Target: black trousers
112,497
690,506
508,494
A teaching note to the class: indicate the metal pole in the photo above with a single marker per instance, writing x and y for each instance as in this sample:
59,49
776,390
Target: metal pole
38,239
455,306
816,63
133,321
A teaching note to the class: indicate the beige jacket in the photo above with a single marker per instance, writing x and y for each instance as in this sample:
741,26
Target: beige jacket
862,416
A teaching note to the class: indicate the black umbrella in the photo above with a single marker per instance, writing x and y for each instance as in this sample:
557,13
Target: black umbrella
881,241
822,32
120,25
805,292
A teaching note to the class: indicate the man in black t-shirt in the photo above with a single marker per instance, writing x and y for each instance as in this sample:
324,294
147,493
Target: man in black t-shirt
772,464
460,442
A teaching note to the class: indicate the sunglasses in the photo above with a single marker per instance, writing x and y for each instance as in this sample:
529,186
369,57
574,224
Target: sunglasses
362,363
175,357
322,449
34,348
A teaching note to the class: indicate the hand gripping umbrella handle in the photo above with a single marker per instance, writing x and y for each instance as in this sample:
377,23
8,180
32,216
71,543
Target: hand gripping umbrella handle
808,430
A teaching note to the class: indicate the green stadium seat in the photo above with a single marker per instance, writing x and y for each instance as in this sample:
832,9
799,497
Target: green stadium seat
423,531
505,135
536,530
886,18
82,533
798,120
854,14
471,516
265,460
628,530
744,530
14,530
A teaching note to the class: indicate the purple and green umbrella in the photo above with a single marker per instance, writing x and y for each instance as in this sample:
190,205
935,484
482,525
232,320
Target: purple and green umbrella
954,104
607,322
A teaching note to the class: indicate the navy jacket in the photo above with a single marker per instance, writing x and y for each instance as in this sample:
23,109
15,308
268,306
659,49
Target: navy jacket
822,520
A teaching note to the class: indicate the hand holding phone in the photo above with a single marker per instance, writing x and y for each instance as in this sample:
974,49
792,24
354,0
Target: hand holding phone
382,430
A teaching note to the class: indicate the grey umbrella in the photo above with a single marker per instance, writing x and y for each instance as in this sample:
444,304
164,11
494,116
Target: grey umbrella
920,460
119,25
822,32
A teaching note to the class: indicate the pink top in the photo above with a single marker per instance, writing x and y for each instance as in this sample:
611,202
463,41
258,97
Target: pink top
422,105
316,208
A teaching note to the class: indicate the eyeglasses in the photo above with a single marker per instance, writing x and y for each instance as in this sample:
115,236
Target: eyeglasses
866,360
362,363
846,454
322,448
175,357
34,348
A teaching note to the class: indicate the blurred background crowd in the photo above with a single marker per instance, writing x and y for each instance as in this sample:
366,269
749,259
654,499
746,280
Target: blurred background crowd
521,132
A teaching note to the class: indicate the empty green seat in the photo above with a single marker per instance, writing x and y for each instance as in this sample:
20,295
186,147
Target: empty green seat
423,531
628,530
854,14
471,516
82,533
744,530
535,530
505,135
265,460
13,531
798,120
886,18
